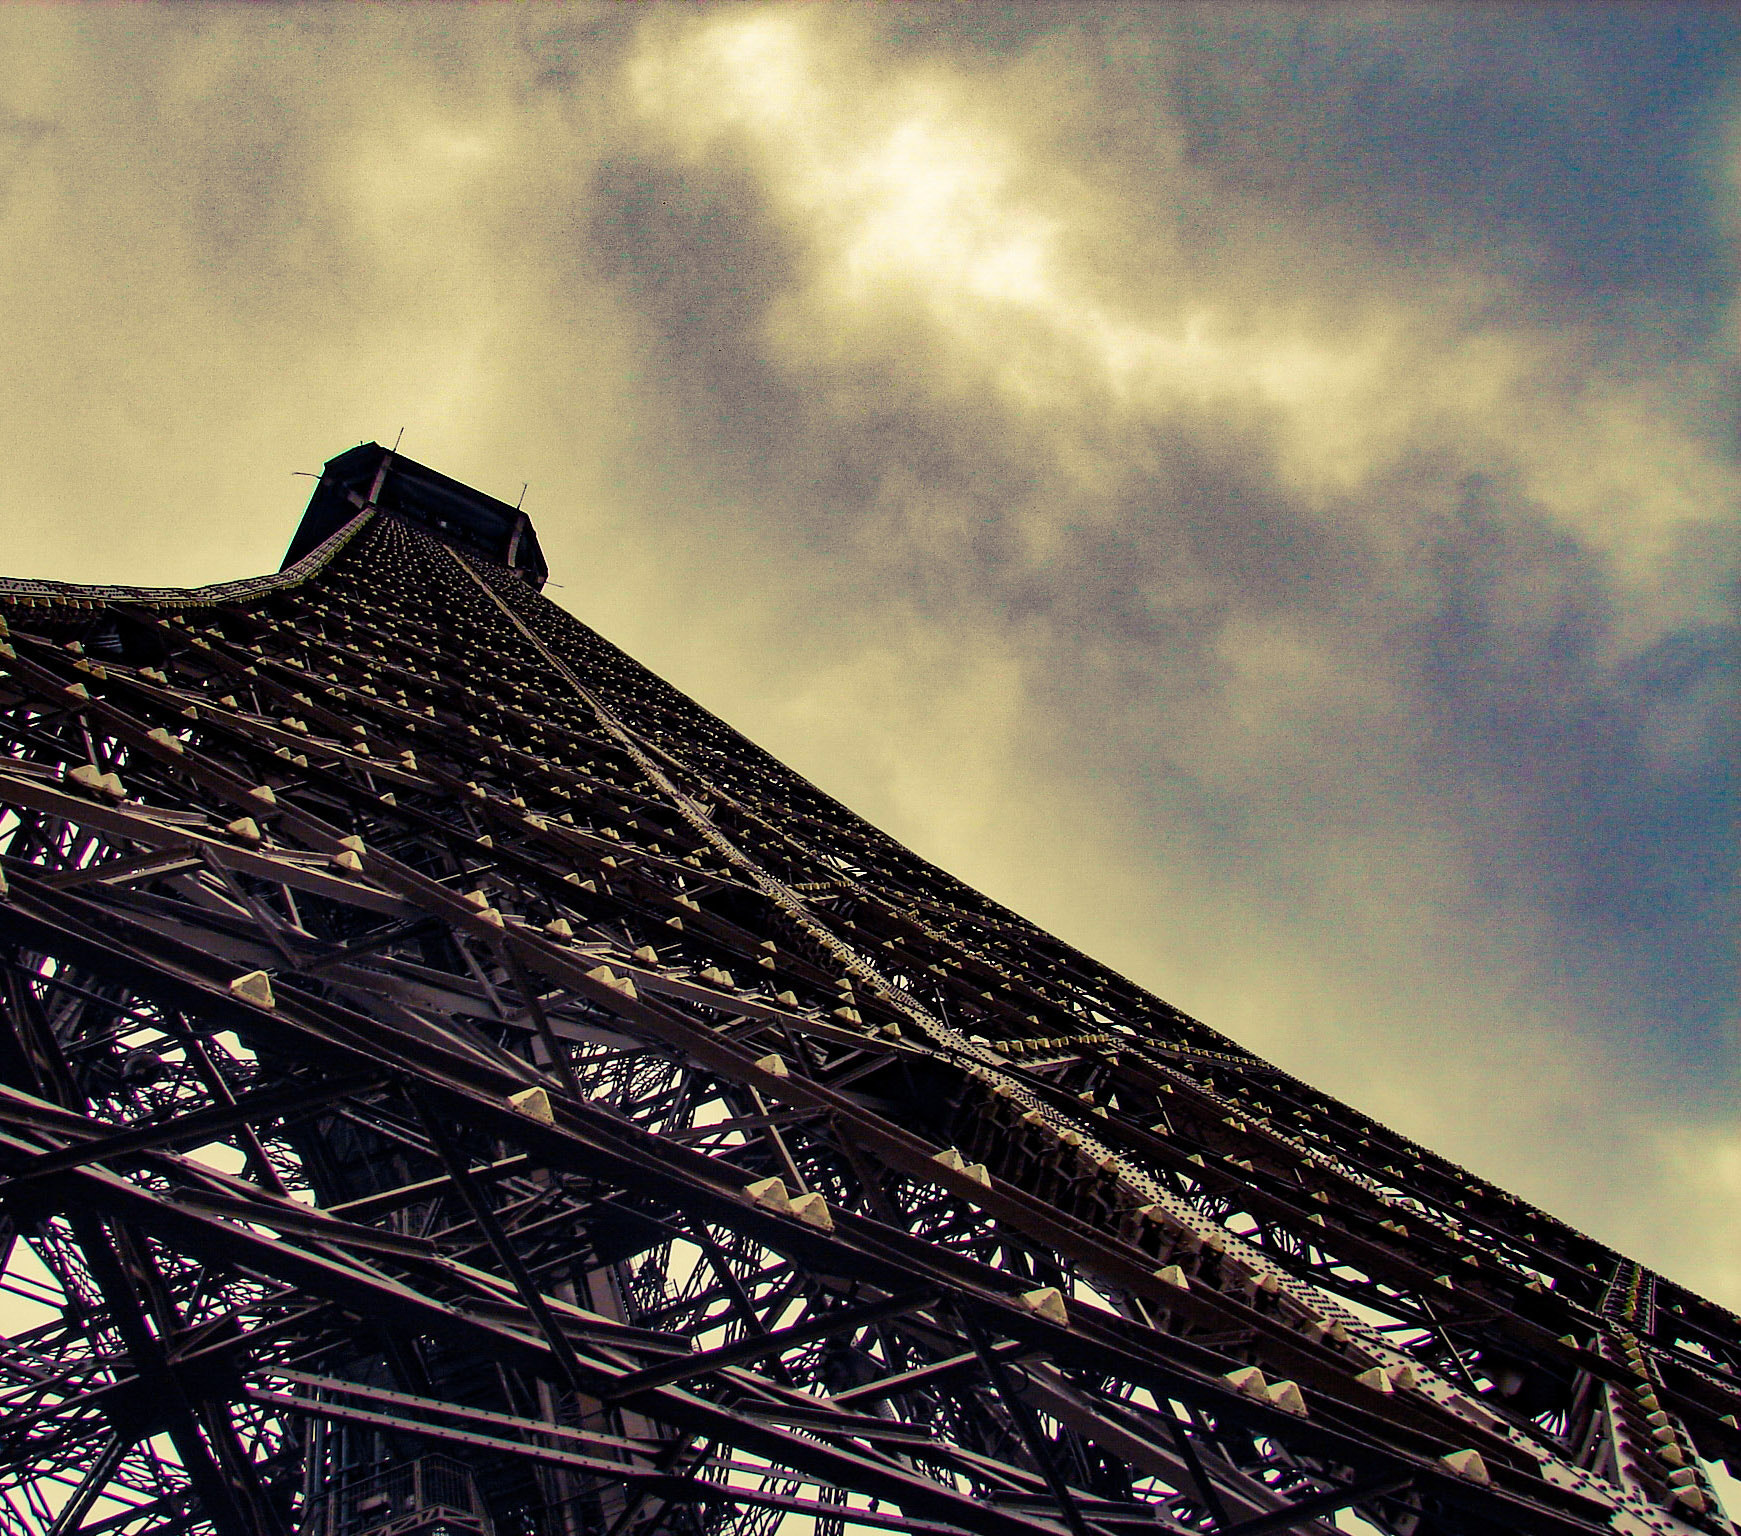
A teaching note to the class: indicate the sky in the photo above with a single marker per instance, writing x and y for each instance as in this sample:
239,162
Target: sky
1254,490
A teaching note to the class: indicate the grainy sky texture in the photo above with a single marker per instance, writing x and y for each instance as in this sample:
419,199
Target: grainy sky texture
1255,490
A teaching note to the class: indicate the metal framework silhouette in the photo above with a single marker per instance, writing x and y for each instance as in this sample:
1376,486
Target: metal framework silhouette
450,1082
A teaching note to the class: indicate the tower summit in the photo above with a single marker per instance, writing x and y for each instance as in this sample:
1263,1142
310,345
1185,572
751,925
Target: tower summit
451,1082
370,475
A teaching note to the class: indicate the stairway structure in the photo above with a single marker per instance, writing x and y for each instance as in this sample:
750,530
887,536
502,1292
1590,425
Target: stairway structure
451,1082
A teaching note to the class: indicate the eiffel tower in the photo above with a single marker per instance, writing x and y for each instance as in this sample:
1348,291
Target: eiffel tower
452,1083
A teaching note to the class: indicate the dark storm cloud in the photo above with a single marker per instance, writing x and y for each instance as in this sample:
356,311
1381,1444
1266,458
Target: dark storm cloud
699,264
1250,489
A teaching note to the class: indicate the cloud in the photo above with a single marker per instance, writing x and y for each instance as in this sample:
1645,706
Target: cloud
1167,465
1377,587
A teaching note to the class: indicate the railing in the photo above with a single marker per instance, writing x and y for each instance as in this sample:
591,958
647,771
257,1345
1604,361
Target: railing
431,1496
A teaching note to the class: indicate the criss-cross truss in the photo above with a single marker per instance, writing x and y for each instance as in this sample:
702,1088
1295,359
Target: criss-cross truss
451,1082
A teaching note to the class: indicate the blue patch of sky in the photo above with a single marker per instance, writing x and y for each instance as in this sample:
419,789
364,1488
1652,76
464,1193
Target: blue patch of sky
1580,151
1620,816
1579,146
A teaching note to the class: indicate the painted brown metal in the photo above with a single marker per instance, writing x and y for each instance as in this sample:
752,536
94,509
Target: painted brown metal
448,1076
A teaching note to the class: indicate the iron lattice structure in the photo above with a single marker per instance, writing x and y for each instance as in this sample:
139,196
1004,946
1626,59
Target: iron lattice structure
450,1082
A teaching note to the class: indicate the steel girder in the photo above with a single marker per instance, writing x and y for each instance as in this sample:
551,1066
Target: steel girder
448,1080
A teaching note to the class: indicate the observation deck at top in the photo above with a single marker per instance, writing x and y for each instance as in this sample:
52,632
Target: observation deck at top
370,475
